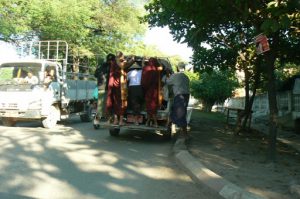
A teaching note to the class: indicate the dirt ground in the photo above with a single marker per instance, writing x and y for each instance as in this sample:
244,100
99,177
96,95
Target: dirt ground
242,159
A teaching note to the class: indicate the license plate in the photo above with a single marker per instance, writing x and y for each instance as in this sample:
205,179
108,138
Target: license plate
130,118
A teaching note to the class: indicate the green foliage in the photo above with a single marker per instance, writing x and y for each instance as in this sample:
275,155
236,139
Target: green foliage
5,74
229,28
212,116
192,76
214,87
92,28
286,74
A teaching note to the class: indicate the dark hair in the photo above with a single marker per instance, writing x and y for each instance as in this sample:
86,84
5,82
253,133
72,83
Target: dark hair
110,57
30,70
153,61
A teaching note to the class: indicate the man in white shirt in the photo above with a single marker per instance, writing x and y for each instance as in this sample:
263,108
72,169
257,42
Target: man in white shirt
180,85
135,91
31,79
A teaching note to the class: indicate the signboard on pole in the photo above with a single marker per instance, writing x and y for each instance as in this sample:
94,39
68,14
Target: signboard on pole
261,44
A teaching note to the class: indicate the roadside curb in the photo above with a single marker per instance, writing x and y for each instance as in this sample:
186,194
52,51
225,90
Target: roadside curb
217,185
295,190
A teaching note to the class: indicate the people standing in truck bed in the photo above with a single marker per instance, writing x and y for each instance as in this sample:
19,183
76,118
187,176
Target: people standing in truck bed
135,91
117,88
113,92
150,84
102,75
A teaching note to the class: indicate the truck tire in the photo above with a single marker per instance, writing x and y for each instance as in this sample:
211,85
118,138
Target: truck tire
7,121
114,132
51,120
88,114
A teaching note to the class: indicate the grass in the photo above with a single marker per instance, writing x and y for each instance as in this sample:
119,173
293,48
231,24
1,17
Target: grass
213,116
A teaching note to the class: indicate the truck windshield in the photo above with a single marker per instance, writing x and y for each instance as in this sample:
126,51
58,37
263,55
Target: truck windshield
19,73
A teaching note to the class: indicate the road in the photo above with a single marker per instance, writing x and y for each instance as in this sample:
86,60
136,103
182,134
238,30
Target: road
75,161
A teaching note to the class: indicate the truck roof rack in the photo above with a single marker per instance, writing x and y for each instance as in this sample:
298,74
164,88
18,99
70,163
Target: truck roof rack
51,50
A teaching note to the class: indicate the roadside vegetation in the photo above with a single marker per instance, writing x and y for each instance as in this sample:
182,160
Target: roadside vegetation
222,35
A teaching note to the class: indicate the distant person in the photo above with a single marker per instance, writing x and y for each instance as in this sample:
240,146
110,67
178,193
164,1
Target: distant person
180,85
30,78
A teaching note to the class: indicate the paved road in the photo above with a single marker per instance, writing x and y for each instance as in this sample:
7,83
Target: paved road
76,161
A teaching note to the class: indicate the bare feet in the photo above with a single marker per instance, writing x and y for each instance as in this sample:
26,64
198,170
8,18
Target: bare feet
115,122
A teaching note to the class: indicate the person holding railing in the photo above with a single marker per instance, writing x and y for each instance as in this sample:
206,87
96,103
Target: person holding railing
116,102
150,84
135,91
102,75
180,86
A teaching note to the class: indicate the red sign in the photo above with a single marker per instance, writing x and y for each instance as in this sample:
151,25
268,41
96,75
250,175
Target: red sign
261,43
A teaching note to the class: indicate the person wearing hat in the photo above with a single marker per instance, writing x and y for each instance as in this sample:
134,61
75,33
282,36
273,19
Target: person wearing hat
135,91
180,86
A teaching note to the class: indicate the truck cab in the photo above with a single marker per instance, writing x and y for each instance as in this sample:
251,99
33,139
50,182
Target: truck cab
43,89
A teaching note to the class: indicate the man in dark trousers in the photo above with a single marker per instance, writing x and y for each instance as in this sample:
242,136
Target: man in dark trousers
102,75
180,85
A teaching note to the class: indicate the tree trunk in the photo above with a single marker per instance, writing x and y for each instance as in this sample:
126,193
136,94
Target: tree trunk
207,106
270,61
248,109
242,115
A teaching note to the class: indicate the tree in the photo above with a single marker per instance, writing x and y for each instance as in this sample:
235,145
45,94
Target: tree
92,28
209,86
224,22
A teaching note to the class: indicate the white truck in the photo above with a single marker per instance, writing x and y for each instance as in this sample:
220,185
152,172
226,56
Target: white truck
67,93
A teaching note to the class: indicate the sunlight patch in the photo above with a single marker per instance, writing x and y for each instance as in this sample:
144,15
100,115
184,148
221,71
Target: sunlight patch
121,189
156,172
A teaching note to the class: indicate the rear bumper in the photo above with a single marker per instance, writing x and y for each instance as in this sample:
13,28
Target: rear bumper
29,114
140,127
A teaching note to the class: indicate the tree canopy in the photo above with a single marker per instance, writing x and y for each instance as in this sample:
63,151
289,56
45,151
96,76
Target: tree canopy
229,28
89,26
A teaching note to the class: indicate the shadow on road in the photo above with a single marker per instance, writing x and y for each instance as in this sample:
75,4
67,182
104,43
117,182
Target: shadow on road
76,161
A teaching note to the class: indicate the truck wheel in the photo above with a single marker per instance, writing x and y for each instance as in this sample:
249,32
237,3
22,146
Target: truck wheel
114,132
7,121
51,120
88,114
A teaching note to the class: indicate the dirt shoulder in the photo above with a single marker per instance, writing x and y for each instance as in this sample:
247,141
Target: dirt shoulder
242,159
